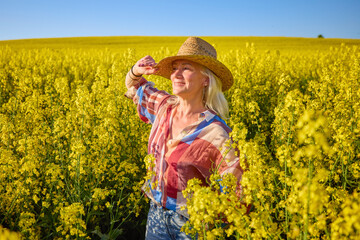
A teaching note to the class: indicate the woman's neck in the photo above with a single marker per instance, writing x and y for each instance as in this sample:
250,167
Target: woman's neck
188,108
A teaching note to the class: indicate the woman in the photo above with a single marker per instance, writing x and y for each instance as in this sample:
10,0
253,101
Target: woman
188,138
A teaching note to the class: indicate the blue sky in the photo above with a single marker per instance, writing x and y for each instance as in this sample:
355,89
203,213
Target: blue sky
74,18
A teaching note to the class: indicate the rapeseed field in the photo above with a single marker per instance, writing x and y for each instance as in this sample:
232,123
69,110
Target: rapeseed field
73,151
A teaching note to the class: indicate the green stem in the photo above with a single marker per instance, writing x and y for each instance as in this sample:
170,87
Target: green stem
286,170
308,200
204,231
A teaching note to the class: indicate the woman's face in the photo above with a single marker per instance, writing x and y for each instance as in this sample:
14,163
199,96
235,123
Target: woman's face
187,79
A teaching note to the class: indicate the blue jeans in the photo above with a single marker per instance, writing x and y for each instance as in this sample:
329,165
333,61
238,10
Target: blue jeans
164,224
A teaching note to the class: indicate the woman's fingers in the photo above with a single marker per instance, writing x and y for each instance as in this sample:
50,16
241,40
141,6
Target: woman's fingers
145,65
150,62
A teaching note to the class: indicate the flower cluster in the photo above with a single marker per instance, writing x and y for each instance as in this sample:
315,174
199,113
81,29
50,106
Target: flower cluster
215,210
6,234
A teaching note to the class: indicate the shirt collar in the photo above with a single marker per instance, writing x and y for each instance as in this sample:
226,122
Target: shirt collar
207,115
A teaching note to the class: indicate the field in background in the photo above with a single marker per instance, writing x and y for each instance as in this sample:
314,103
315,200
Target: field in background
72,148
150,44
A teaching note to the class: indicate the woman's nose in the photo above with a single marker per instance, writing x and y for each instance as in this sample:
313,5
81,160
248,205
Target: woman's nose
177,73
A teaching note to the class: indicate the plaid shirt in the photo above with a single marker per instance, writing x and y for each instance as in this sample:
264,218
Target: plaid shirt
198,149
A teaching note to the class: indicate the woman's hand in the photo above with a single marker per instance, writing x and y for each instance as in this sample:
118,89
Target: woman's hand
145,66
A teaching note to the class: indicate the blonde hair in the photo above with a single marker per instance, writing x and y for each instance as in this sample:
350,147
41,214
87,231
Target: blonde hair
214,98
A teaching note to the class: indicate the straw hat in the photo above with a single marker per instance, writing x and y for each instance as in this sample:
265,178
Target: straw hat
198,50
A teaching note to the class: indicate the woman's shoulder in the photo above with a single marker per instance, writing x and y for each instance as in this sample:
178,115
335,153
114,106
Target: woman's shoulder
149,90
216,127
166,104
218,124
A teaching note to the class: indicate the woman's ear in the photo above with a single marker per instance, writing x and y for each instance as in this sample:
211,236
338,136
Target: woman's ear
206,82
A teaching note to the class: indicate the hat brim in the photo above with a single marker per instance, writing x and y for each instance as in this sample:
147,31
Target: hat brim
218,68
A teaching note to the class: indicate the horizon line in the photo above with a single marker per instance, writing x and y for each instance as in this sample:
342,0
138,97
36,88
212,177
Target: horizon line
170,36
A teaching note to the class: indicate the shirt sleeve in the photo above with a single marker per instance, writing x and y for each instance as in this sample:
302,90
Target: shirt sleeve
148,100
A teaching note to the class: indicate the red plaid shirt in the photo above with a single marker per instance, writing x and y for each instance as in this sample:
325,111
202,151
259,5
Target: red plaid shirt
198,149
